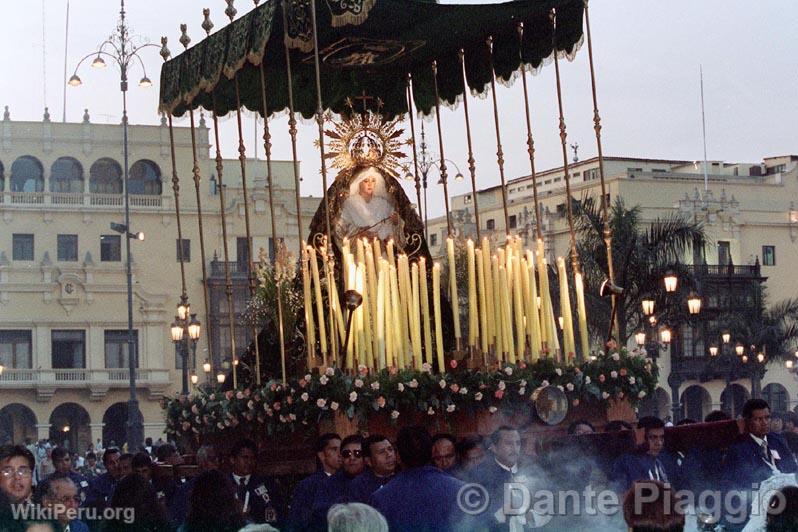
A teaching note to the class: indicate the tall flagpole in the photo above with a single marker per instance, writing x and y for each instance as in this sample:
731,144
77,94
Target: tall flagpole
704,128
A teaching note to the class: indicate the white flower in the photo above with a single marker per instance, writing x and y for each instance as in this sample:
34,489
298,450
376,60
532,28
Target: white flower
308,377
400,387
478,396
569,386
442,383
616,356
522,384
394,414
426,367
292,416
329,372
605,395
353,397
544,383
632,380
559,387
502,385
558,371
614,374
334,405
521,390
413,383
250,404
641,394
587,379
450,408
463,391
375,385
304,396
323,380
601,354
492,409
358,383
430,411
321,403
508,370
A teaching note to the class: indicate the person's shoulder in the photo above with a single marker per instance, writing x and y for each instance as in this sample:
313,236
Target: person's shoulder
78,526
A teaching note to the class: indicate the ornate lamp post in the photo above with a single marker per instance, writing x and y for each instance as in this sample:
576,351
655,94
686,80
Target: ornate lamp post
426,162
120,48
186,328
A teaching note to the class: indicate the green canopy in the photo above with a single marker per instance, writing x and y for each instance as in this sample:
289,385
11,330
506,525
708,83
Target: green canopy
366,46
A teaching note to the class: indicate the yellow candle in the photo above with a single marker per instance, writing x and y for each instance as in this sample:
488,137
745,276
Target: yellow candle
489,298
453,287
545,299
518,309
380,318
473,315
397,315
375,244
309,324
501,346
390,322
415,321
505,310
391,258
436,306
533,314
425,316
565,308
406,301
360,344
483,318
371,277
314,268
580,307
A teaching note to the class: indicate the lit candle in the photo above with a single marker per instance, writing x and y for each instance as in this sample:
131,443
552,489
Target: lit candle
483,318
436,306
415,321
425,316
580,308
565,308
391,257
309,324
473,315
453,287
314,268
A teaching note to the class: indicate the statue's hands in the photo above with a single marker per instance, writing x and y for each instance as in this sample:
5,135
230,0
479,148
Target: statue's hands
394,217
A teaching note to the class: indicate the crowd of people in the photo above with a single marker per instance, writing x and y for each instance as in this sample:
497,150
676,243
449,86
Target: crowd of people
416,482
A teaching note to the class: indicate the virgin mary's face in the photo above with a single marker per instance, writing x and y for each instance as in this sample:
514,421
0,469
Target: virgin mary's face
366,187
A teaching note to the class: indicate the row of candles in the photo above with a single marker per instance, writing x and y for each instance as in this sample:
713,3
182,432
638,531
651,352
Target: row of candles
510,312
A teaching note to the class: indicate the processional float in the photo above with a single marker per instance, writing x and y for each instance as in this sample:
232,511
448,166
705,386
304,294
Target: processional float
360,69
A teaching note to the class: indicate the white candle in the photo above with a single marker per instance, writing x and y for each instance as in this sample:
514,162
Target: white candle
453,287
436,304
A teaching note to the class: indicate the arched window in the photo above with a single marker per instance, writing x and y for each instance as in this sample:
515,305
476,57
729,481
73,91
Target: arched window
105,177
2,178
696,402
777,397
145,178
66,175
27,175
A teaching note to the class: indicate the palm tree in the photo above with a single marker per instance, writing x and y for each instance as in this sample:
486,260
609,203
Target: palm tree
641,253
773,330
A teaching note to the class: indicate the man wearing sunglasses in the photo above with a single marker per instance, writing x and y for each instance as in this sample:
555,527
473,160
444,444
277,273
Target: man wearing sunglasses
337,489
16,473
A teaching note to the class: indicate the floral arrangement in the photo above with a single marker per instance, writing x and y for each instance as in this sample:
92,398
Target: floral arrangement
277,407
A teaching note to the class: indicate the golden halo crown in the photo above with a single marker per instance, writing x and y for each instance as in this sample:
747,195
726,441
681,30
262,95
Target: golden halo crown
365,139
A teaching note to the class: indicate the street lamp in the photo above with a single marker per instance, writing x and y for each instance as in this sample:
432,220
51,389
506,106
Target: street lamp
648,307
426,162
693,303
671,281
121,49
186,328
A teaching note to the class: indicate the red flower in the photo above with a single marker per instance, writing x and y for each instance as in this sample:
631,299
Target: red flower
277,405
499,394
453,363
302,383
623,372
602,378
522,365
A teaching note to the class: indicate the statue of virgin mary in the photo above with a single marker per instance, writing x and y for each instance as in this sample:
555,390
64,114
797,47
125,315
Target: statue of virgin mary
369,211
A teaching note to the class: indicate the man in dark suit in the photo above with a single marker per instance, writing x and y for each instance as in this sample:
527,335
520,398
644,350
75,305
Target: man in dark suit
336,489
380,458
650,462
61,495
431,493
257,494
101,489
207,460
760,453
328,456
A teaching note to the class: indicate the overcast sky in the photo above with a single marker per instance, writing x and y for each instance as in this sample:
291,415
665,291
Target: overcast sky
647,58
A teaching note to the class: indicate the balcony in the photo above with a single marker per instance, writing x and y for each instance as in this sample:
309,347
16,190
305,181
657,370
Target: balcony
97,381
725,270
237,269
72,200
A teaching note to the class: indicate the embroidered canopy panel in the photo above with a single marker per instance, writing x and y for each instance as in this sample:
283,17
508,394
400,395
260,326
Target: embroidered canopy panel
365,47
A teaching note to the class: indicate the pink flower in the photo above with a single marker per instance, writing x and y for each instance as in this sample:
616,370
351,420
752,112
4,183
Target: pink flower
499,394
289,400
381,402
602,378
454,387
363,370
247,392
453,364
228,394
302,383
277,406
393,370
273,387
623,372
522,365
575,402
239,396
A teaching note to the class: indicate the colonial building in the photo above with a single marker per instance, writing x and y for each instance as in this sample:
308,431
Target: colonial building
63,292
751,220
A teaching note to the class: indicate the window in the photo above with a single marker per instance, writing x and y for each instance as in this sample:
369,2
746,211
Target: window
116,349
69,349
68,248
590,174
467,199
491,224
105,177
15,349
242,253
66,175
145,178
561,210
27,175
186,250
513,221
724,253
768,255
433,239
22,247
110,248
